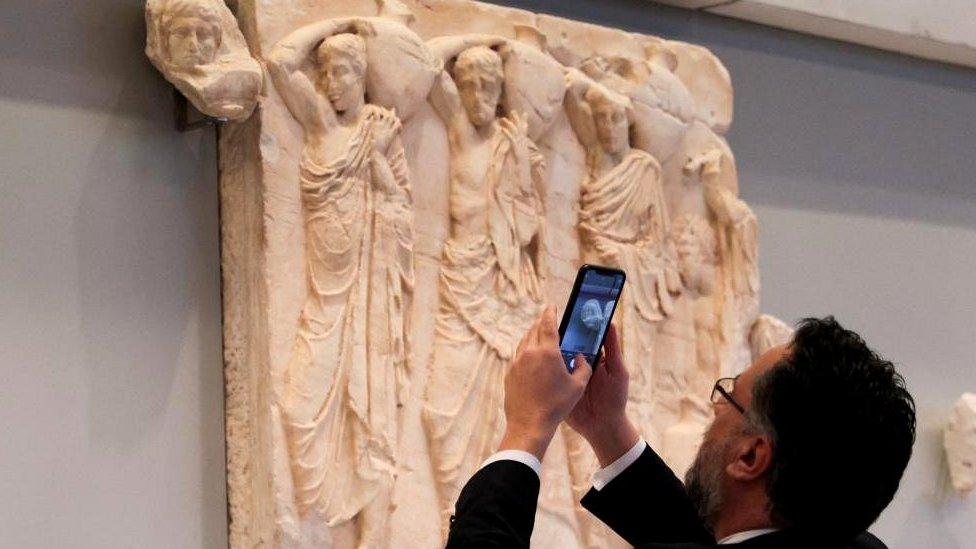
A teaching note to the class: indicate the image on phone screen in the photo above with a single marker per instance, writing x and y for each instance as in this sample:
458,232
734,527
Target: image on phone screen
589,311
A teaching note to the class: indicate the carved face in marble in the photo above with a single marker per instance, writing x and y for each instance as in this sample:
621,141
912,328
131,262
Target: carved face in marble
610,119
193,31
479,76
342,70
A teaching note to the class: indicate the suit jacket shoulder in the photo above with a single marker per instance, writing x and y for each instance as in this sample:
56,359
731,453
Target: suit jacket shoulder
646,504
496,508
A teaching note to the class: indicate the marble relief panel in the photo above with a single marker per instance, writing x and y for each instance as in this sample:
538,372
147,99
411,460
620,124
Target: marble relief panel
418,178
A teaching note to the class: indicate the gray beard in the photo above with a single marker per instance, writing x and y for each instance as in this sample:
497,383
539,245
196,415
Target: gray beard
703,482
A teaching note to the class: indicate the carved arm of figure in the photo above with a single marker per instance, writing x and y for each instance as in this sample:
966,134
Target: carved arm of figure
578,109
383,179
311,109
444,96
516,128
391,179
727,208
740,229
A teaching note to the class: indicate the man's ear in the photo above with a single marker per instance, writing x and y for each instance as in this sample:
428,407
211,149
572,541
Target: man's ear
752,457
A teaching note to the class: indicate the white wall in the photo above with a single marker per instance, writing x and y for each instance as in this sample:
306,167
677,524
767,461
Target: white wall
861,166
111,390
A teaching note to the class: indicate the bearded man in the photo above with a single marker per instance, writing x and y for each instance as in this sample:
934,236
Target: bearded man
807,447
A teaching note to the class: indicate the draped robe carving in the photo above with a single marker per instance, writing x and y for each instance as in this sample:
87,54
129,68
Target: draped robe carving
490,292
344,379
623,223
332,301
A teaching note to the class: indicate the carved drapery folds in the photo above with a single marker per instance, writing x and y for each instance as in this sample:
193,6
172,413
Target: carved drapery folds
418,180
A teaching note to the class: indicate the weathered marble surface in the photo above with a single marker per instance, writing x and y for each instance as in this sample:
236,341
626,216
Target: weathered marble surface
768,332
198,47
421,176
960,444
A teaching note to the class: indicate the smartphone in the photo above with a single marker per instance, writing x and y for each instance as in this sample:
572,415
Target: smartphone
588,313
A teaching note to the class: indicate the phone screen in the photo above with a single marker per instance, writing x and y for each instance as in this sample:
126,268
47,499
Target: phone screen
589,312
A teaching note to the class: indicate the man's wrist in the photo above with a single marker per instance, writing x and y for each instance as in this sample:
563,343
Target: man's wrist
532,440
613,440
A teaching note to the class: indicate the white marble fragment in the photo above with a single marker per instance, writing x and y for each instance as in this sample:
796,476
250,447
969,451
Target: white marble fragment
960,444
768,332
198,47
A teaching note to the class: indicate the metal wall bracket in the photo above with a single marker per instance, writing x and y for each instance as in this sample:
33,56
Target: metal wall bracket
188,118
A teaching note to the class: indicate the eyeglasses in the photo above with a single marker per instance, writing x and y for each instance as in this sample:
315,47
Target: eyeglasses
723,389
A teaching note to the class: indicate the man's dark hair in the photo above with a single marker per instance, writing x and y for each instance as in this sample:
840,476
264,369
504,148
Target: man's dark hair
842,426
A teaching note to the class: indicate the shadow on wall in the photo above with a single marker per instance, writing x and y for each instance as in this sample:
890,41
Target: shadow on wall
145,233
78,61
147,230
933,503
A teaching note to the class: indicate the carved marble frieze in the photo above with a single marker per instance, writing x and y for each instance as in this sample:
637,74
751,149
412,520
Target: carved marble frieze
418,179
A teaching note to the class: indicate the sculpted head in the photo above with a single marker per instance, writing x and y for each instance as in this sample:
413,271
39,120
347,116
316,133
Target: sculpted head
610,117
342,65
192,31
479,76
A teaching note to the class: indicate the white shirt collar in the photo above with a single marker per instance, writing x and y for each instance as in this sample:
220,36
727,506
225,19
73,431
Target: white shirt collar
746,535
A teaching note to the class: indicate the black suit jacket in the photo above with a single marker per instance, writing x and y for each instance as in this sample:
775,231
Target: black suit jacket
646,505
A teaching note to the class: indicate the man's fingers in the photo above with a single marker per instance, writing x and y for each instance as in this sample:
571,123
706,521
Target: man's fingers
522,342
611,350
615,360
612,344
541,325
582,371
548,331
530,337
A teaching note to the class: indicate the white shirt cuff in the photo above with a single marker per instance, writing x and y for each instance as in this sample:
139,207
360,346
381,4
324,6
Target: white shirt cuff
520,456
603,477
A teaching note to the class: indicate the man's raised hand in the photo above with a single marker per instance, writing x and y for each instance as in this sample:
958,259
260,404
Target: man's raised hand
600,414
539,391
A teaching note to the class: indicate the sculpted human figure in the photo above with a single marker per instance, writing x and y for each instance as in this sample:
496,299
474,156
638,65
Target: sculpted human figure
623,223
661,106
197,46
737,227
687,348
491,269
343,382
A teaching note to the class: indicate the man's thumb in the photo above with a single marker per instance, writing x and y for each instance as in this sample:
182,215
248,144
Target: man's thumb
582,371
